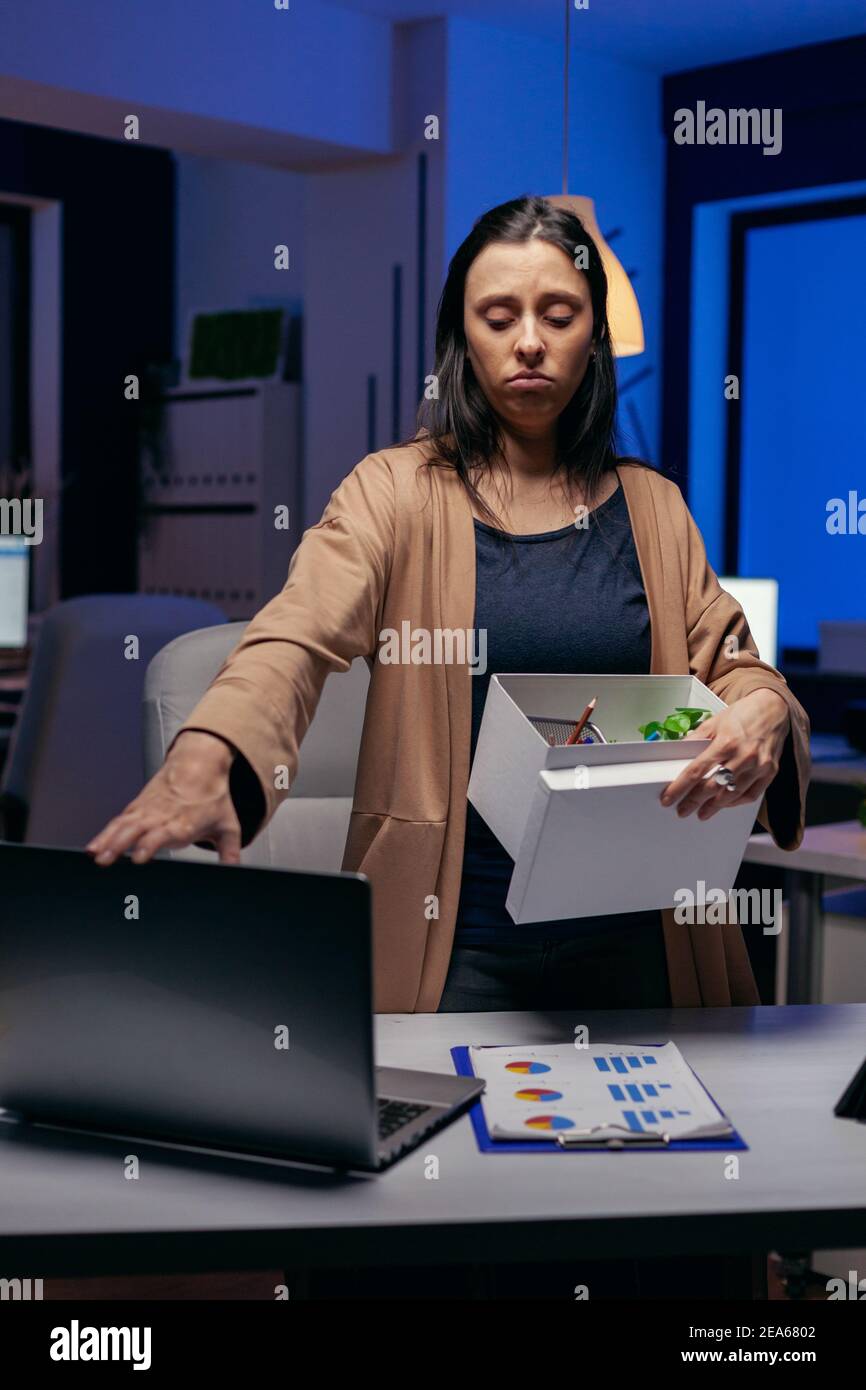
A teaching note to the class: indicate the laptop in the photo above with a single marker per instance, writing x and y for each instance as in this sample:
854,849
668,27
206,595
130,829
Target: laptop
227,1008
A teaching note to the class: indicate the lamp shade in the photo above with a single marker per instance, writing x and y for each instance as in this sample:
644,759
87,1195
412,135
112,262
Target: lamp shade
623,311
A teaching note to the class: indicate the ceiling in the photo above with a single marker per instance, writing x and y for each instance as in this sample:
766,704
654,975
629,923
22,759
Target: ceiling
665,37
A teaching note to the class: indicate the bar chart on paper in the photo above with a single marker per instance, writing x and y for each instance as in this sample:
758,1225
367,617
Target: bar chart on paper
600,1088
643,1093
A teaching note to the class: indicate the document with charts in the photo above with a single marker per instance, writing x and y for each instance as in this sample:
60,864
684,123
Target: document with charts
627,1090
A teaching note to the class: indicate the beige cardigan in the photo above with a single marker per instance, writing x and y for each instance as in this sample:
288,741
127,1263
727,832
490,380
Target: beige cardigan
396,542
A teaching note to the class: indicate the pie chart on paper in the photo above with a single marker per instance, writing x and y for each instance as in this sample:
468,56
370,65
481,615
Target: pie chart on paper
538,1094
527,1068
550,1122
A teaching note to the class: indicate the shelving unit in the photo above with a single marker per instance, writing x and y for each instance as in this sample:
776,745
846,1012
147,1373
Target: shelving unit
229,457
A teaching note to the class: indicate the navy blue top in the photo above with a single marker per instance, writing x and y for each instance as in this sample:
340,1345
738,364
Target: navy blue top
570,600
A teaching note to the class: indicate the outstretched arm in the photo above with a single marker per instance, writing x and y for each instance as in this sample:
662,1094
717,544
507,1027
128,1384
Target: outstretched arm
223,785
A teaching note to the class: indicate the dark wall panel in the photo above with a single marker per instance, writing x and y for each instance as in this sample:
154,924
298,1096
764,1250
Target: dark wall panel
118,311
822,95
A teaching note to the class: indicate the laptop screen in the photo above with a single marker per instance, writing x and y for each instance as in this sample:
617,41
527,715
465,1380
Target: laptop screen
14,592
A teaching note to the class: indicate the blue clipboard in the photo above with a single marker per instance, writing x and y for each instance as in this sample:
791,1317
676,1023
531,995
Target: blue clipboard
463,1067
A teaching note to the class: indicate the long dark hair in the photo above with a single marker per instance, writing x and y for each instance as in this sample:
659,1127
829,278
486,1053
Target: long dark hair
459,422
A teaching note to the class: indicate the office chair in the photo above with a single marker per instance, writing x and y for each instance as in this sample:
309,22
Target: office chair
74,760
309,829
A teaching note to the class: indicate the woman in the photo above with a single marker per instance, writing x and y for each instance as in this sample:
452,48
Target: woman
472,525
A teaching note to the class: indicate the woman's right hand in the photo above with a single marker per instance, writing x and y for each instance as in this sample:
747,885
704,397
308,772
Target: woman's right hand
187,801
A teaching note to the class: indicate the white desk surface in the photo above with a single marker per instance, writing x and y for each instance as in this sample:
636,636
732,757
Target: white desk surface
65,1206
839,848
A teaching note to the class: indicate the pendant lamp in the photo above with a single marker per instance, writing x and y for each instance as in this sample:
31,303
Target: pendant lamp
623,311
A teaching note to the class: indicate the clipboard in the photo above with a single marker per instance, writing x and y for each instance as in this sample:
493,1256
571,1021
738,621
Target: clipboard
725,1144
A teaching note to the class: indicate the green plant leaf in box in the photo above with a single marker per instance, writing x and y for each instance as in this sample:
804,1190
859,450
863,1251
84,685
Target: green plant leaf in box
654,727
695,716
677,725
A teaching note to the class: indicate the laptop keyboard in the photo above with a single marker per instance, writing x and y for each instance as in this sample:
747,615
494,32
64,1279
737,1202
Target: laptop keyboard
393,1114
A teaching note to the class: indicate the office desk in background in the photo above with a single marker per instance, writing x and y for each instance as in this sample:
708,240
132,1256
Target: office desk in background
12,687
66,1208
835,761
827,851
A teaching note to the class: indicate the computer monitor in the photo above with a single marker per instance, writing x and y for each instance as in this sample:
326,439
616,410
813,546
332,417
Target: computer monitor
14,592
759,600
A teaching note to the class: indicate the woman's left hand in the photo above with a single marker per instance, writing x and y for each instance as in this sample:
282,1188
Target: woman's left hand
747,738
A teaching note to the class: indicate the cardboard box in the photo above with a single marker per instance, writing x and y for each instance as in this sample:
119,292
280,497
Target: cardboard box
584,824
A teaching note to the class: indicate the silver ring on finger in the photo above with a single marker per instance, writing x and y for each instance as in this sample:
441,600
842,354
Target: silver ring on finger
722,776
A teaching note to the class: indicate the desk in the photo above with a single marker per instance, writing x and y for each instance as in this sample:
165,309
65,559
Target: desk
834,760
13,684
66,1208
839,850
